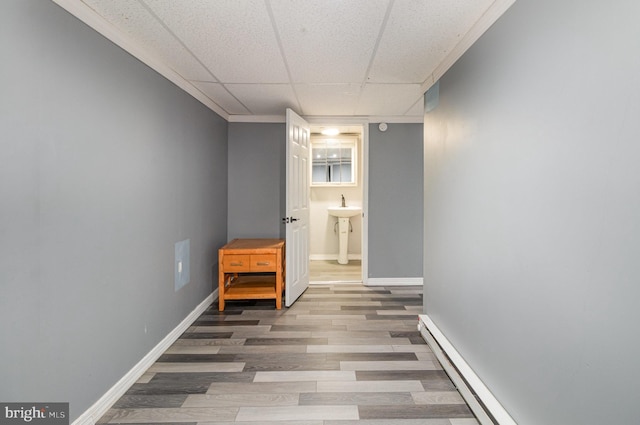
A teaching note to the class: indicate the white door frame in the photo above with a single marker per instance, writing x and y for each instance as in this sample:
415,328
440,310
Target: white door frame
328,120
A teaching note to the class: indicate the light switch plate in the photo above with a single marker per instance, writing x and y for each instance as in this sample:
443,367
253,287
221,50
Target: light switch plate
181,265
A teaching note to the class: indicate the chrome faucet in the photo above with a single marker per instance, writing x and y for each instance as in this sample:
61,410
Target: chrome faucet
343,204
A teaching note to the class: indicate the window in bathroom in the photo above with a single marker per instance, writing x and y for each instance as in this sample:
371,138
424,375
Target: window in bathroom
334,161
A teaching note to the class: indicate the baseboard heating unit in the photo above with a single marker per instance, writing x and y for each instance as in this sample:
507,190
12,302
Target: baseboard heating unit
484,405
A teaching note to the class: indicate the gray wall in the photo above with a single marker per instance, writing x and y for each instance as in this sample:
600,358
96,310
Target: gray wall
257,192
395,201
532,207
104,165
257,175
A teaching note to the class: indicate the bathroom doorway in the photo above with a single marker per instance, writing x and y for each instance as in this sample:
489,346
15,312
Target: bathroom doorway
338,172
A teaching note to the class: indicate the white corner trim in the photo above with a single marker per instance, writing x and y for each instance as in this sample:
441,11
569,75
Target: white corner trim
337,120
395,281
463,376
104,403
402,119
87,15
490,16
278,119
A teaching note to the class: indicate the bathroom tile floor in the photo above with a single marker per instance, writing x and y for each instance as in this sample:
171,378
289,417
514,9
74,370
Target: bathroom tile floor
343,354
331,271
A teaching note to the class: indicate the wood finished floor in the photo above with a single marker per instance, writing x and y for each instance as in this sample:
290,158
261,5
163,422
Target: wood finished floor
343,354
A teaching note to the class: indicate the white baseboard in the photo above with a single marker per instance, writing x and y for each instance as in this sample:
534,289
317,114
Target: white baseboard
100,407
334,282
395,281
333,257
486,407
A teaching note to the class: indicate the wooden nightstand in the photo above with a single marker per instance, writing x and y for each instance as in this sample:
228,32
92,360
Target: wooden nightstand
251,269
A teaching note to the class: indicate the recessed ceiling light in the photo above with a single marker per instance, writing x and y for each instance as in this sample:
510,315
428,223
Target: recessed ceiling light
330,131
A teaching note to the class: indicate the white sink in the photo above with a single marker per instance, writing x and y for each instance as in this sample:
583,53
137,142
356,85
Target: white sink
344,212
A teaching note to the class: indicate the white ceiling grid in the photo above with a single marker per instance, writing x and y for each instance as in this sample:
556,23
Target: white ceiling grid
254,58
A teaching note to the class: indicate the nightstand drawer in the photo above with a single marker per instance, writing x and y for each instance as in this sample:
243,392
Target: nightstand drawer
236,262
265,263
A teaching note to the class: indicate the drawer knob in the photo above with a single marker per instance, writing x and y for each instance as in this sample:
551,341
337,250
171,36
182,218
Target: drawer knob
237,264
263,263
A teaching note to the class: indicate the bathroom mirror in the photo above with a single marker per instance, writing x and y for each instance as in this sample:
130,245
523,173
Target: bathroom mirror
334,161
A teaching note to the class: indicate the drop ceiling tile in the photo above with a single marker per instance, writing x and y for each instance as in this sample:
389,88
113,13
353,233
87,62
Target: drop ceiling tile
234,39
131,18
329,41
419,35
328,99
388,99
265,99
218,94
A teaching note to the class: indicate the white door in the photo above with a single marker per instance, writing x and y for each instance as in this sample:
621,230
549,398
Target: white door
297,219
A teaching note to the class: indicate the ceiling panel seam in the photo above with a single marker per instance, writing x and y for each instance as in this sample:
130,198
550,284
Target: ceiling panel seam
282,53
195,57
383,26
